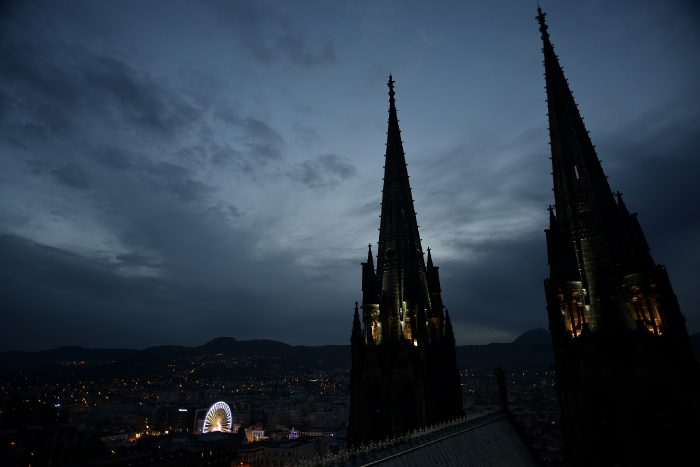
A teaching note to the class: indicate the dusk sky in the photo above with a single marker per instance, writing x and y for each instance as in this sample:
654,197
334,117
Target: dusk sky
175,171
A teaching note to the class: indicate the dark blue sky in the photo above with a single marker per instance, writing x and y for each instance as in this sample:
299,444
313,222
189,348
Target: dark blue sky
175,171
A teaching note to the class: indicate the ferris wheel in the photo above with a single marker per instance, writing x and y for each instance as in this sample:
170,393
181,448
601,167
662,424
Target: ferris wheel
218,418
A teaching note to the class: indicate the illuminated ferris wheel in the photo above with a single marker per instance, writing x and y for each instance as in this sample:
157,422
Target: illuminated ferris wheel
218,418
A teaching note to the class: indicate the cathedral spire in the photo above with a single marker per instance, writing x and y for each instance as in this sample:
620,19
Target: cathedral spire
576,169
584,204
404,373
624,364
400,266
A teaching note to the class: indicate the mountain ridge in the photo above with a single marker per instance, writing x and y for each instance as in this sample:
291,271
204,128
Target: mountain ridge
531,349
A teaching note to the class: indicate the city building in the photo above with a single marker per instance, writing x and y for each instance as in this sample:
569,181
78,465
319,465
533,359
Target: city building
290,452
404,370
175,419
625,371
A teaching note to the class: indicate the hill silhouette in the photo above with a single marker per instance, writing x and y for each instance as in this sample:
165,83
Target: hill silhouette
533,336
532,349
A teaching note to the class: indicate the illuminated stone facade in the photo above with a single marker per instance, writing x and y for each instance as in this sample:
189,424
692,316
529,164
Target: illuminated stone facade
404,370
626,374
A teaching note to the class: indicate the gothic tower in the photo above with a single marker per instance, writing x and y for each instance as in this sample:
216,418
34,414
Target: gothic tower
626,374
404,368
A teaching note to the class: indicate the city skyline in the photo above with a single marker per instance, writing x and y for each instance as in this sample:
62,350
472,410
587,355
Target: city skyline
175,172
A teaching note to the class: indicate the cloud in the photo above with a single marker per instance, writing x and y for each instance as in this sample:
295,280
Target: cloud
296,49
260,144
54,295
113,157
487,192
177,180
485,220
305,135
59,90
502,290
262,141
136,96
156,160
138,260
270,35
209,288
323,171
72,176
59,297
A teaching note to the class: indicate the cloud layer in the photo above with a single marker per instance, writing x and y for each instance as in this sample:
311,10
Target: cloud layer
175,172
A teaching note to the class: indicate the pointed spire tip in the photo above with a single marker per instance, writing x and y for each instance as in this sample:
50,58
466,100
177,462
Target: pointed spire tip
540,19
391,83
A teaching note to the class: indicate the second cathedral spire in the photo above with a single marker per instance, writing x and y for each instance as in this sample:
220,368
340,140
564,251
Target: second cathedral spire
401,275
